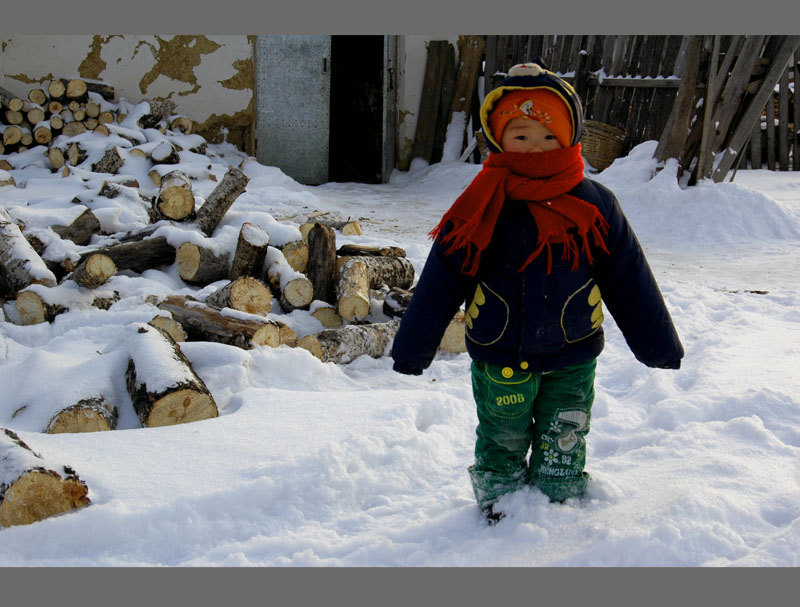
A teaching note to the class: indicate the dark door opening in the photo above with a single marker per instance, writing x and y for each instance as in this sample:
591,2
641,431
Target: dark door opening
356,109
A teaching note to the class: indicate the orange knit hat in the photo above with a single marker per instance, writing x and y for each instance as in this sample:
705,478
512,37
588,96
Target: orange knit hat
535,104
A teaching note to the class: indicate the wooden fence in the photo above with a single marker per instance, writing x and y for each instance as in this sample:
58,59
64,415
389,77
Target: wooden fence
631,82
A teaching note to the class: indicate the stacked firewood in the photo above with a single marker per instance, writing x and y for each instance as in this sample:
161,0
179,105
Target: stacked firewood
63,107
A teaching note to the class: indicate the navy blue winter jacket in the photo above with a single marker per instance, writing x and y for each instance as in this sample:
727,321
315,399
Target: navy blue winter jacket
533,321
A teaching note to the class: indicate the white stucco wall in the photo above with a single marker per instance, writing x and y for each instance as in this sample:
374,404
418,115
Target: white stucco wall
208,77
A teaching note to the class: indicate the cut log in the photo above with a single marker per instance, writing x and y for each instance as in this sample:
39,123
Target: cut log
251,251
220,200
76,154
200,265
159,109
15,117
94,271
389,271
352,290
76,90
105,118
56,90
396,302
10,101
106,91
35,115
294,289
326,314
182,124
139,255
175,199
165,153
79,114
164,388
322,270
12,134
32,489
37,95
81,230
87,415
454,339
42,134
6,178
20,265
73,128
54,107
348,343
204,323
102,129
348,227
91,123
353,250
245,294
296,253
111,162
35,306
171,326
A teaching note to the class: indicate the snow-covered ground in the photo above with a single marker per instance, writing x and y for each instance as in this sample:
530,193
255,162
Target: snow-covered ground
313,464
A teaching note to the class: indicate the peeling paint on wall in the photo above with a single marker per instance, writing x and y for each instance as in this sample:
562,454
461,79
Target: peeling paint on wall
93,65
176,58
244,77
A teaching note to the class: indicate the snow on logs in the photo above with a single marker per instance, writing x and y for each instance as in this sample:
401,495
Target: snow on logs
348,343
31,488
162,384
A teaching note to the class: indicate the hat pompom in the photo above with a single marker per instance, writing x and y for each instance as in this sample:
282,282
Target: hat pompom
526,69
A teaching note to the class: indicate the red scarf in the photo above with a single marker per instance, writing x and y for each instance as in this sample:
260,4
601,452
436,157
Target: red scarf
541,180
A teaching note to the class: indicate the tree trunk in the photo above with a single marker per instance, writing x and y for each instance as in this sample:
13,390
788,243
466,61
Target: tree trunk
163,386
81,230
94,271
352,290
87,415
220,200
348,343
199,265
294,289
204,323
20,265
175,199
251,251
246,294
322,262
36,306
32,489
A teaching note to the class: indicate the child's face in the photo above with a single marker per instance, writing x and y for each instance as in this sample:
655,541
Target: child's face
526,136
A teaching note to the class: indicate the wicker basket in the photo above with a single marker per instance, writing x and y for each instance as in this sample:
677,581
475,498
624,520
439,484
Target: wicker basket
601,143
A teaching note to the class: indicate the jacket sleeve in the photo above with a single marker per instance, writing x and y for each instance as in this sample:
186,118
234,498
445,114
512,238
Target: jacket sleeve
631,294
440,291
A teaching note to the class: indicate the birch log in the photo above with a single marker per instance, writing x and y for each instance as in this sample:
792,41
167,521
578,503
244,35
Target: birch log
294,288
204,323
111,162
81,230
245,294
396,302
94,414
348,343
296,253
251,251
164,388
94,271
138,255
200,265
174,199
220,200
37,304
389,271
20,265
164,153
352,290
31,488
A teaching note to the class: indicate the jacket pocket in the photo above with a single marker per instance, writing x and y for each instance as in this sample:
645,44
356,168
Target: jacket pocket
487,316
582,313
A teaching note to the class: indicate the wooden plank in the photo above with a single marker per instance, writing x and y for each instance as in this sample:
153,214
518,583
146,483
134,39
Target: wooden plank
788,45
429,104
671,142
713,82
783,121
470,56
770,111
448,82
755,146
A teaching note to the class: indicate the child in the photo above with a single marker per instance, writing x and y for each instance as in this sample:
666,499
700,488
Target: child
530,246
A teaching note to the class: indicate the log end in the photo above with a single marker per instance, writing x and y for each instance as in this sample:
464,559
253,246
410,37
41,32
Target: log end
267,335
30,307
39,494
354,307
84,417
312,344
251,295
181,407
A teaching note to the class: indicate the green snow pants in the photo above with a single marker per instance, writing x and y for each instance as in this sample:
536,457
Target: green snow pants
547,414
